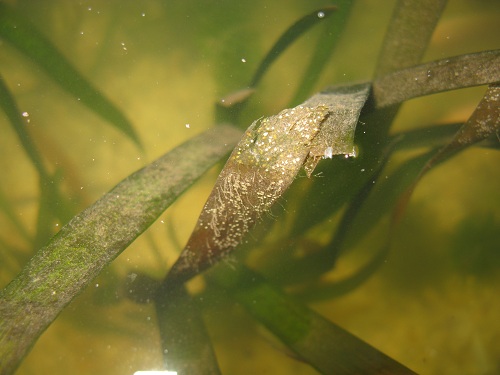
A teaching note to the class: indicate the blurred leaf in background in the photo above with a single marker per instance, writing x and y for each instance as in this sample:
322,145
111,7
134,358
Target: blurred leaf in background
164,65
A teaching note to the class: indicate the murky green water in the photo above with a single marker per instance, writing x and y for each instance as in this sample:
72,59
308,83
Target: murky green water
432,305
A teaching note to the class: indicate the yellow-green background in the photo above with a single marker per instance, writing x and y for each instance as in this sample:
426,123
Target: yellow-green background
165,63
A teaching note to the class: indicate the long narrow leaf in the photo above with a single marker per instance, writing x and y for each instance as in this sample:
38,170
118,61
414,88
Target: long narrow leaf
411,27
442,75
325,47
288,37
407,38
9,106
186,346
24,37
484,121
62,269
324,345
52,202
229,107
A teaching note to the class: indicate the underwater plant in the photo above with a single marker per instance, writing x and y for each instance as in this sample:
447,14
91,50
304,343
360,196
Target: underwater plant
332,159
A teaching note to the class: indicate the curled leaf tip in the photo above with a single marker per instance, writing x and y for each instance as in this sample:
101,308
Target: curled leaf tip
261,168
258,172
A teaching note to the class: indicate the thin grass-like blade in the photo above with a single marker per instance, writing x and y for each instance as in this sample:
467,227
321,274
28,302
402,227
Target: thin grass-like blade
288,37
229,107
72,258
406,40
25,38
334,289
484,121
325,47
9,106
52,203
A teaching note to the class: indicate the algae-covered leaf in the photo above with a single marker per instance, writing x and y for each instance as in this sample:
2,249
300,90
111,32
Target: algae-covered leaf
71,259
337,134
261,168
24,37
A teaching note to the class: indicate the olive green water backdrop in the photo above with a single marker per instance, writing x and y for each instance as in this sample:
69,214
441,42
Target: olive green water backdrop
432,305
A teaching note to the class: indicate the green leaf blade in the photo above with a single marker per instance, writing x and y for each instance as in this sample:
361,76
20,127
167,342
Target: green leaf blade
288,37
65,266
42,52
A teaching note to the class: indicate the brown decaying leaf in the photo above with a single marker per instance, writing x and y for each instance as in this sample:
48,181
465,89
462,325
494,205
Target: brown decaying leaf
260,169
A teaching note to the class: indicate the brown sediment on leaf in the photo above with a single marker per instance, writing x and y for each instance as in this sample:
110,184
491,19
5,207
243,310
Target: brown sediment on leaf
260,169
337,133
263,165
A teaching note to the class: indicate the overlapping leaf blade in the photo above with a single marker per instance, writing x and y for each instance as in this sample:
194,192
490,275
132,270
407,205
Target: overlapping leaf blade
62,268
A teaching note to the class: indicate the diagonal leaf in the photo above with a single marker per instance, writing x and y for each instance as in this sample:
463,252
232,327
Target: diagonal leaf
24,37
334,289
62,269
9,106
410,30
484,121
52,202
442,75
324,345
228,108
324,49
288,37
408,35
